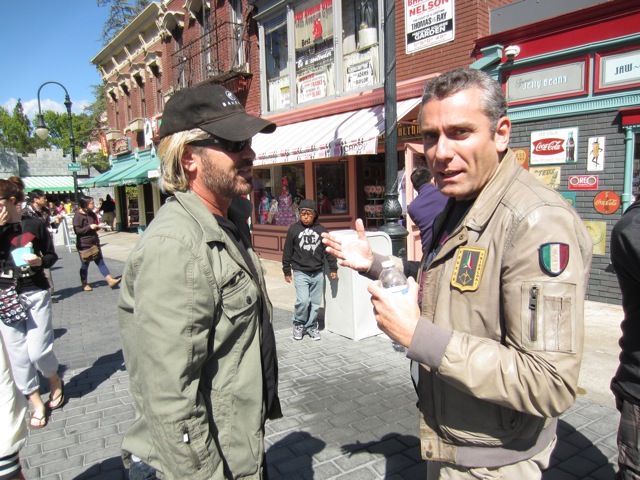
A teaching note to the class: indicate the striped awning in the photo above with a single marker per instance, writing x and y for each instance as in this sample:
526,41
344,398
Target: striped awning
49,184
348,133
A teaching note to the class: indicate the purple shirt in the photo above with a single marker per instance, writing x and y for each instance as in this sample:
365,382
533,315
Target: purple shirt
424,209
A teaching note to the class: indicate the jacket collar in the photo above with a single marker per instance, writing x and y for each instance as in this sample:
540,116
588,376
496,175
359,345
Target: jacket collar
203,217
492,194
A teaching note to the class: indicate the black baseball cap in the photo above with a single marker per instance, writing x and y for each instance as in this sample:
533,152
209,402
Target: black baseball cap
213,109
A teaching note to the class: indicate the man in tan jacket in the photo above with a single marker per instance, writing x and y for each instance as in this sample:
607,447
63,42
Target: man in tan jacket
495,318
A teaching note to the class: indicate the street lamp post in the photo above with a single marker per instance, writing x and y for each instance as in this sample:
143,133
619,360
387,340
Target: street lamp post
391,208
43,132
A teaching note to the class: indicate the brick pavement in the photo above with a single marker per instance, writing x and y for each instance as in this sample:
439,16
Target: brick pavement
349,406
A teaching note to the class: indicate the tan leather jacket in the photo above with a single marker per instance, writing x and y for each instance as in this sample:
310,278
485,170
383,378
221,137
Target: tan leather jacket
500,338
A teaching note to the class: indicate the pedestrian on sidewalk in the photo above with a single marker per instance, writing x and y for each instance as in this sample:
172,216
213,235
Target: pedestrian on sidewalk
495,318
424,209
108,209
86,226
12,421
195,317
625,257
304,253
38,207
29,340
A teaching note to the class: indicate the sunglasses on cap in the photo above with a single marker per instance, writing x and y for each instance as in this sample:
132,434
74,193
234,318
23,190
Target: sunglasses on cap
229,145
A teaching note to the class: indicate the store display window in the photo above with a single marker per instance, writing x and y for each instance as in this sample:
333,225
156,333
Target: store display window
277,192
331,188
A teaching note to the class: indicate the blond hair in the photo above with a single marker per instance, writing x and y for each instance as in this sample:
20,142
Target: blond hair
171,148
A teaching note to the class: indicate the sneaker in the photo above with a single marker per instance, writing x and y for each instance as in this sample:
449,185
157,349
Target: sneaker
298,332
314,333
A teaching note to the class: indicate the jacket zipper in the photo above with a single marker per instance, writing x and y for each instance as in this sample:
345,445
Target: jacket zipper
187,441
533,307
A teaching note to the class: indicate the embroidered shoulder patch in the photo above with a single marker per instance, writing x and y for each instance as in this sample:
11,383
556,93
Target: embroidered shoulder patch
469,267
554,257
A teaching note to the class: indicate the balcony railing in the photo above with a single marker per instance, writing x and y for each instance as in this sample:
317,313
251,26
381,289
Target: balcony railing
218,56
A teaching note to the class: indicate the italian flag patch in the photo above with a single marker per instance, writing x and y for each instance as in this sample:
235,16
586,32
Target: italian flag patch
554,258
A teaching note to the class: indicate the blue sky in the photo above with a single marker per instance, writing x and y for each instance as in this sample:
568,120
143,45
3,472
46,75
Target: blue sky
44,40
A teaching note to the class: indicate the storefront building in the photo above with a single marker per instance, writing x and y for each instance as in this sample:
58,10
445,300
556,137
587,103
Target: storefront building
322,77
573,86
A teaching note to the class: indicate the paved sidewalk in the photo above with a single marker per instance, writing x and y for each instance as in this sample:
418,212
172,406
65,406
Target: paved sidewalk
349,406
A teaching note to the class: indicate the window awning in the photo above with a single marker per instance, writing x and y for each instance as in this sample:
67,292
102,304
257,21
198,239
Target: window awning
102,180
134,171
348,133
137,174
49,184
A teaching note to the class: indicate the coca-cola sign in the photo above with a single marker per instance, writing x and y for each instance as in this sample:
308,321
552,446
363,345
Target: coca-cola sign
555,146
583,182
606,202
548,146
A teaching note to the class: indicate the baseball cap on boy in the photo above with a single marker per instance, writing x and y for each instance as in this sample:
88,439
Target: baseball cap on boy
213,109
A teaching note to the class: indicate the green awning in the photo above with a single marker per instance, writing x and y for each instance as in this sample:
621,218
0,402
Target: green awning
102,180
49,184
137,174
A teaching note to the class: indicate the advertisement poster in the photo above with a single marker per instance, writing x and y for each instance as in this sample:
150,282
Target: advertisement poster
595,154
522,154
312,86
606,202
554,146
570,197
550,176
598,232
359,75
428,23
583,182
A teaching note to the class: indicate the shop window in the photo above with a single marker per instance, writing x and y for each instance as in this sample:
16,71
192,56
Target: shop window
277,192
315,63
306,36
331,191
277,64
360,52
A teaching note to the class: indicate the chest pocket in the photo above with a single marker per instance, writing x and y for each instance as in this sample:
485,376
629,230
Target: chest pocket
239,295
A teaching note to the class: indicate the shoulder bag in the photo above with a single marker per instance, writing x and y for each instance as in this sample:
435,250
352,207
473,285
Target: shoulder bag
90,254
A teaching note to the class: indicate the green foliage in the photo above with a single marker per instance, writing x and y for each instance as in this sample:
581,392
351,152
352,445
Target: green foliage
121,13
16,130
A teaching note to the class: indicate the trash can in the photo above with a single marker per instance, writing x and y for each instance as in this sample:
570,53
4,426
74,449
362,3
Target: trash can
347,305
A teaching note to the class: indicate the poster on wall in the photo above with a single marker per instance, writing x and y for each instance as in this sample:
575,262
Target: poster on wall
606,202
359,75
570,197
522,154
595,154
550,176
428,23
554,146
598,232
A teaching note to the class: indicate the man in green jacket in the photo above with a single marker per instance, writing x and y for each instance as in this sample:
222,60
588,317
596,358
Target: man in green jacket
194,313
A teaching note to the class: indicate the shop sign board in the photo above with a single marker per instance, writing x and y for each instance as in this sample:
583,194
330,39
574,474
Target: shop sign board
583,182
618,70
555,146
554,82
428,23
121,146
312,86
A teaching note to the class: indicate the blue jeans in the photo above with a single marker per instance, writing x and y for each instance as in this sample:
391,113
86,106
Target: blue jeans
141,471
84,266
308,297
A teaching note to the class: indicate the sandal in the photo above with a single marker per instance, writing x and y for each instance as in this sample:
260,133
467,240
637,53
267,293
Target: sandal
55,403
36,422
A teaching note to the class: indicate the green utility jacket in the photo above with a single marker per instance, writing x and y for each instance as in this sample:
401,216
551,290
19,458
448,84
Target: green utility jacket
189,314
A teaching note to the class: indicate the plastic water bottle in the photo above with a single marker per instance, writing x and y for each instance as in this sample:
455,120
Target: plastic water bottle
393,278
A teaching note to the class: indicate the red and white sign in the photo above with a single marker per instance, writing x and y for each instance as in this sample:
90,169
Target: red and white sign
583,182
555,146
606,202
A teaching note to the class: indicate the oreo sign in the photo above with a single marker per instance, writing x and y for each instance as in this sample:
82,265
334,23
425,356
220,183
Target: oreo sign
583,182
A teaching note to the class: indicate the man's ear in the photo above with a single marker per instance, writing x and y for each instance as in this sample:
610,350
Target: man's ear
503,133
188,159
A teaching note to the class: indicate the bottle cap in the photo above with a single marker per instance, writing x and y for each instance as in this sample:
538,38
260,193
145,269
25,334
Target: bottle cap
388,264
